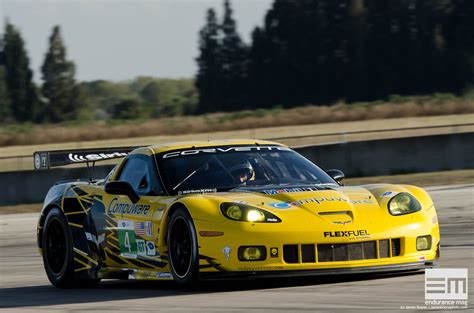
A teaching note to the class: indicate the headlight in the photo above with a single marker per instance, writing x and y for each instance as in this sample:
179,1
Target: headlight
403,203
246,213
423,243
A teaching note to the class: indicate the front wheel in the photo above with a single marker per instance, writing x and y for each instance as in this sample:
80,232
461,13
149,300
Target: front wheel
183,248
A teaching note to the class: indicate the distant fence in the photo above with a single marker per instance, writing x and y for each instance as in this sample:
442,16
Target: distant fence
356,159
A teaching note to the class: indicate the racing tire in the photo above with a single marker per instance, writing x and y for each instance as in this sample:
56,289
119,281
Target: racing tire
58,255
183,249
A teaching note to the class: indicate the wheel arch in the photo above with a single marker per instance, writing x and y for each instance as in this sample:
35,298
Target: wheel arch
166,219
44,213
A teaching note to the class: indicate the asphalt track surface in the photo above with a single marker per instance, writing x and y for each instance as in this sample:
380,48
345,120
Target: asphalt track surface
25,288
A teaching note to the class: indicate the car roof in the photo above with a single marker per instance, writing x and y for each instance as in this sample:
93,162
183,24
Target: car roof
159,148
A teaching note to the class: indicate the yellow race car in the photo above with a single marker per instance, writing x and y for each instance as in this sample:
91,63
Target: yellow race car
223,209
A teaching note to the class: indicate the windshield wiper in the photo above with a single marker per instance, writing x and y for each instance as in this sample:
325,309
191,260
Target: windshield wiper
190,175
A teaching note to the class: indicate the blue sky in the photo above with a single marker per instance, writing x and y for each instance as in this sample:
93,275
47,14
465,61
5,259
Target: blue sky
121,39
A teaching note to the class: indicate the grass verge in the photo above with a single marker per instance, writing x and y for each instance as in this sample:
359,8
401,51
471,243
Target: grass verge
81,131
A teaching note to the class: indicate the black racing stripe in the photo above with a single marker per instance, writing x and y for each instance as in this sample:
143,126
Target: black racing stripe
206,266
112,249
79,191
203,257
115,258
212,263
140,264
155,263
84,259
72,205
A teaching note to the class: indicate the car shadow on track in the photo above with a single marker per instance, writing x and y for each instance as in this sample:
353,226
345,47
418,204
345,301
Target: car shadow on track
110,290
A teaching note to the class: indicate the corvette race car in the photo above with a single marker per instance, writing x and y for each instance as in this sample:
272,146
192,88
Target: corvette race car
223,209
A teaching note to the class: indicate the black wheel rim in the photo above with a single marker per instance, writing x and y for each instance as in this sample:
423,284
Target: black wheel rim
55,247
180,247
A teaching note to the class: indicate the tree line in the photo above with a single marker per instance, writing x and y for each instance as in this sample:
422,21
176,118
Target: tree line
323,51
306,52
61,98
21,100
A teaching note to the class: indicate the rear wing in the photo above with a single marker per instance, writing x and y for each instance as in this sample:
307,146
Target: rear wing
47,159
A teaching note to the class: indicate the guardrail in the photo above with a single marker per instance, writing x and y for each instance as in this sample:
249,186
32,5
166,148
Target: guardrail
25,162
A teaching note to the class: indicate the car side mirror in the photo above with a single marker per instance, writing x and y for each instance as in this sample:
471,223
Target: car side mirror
337,175
122,188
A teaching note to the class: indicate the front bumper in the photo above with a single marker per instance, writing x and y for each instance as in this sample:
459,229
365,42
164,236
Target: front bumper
405,267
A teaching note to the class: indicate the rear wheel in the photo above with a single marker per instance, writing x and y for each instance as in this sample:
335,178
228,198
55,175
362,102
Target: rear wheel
183,249
58,255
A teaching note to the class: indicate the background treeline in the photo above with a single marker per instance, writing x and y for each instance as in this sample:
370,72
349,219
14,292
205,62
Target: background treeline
323,51
60,98
306,52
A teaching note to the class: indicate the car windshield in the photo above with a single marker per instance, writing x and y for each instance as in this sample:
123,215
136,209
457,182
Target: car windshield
229,167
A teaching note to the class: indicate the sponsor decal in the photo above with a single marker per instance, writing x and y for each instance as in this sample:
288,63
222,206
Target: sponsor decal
227,251
93,238
223,150
89,237
387,194
77,158
127,239
163,275
318,200
150,248
125,224
347,233
149,228
116,207
260,268
141,247
37,161
193,191
289,190
239,202
280,205
140,228
342,222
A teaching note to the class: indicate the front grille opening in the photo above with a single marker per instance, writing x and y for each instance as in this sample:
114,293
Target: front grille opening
384,248
370,250
290,253
347,251
396,248
308,254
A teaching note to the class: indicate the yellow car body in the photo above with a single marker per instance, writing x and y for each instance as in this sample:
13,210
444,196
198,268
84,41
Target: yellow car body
337,230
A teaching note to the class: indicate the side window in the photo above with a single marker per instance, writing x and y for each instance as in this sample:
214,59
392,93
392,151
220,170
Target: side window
136,173
140,173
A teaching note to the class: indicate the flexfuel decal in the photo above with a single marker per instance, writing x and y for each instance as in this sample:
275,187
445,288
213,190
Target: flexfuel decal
348,233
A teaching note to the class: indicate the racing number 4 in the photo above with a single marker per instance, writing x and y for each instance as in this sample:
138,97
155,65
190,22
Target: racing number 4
127,243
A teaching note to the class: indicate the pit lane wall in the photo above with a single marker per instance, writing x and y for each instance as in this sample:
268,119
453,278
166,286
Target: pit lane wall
355,159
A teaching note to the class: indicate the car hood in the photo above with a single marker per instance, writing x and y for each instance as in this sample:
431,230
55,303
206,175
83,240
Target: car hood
337,206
